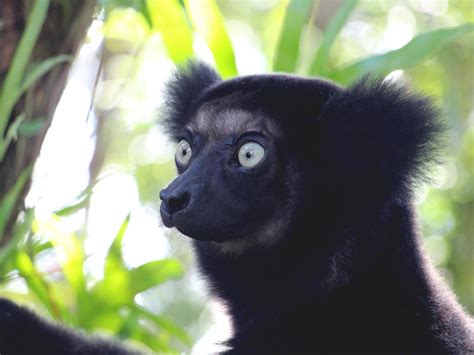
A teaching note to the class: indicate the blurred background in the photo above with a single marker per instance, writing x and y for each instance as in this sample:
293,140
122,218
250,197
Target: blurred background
86,242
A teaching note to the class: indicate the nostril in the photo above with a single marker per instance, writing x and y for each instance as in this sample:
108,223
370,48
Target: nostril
163,195
177,201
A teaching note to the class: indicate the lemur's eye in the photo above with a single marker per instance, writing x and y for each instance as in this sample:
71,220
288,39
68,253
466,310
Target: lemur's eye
251,154
183,153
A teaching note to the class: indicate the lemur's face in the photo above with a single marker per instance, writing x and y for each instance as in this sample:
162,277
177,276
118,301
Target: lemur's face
232,178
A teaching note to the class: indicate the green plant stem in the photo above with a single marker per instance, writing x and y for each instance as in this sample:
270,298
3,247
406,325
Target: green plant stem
20,60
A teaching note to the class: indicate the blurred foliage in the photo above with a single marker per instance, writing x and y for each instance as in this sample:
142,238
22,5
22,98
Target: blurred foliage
428,43
18,79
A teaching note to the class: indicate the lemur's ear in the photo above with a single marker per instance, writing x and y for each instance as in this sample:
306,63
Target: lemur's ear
182,92
379,137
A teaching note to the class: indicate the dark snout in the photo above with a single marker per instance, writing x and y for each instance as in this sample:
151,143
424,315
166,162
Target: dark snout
174,199
172,202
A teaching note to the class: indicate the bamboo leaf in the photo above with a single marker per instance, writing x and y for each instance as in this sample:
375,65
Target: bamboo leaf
415,51
208,21
318,66
297,15
168,18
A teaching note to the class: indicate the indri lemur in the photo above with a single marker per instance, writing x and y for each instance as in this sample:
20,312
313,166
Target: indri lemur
298,195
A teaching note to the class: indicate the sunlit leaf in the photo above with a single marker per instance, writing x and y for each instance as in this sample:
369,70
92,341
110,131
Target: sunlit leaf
130,322
272,24
113,291
415,51
114,254
296,17
116,279
154,273
168,18
36,283
70,252
125,30
318,66
100,317
208,21
7,252
137,5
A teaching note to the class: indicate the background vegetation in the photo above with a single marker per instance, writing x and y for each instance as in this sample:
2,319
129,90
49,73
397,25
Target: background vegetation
85,245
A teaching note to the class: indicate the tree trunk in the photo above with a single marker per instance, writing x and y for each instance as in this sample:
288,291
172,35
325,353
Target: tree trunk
64,29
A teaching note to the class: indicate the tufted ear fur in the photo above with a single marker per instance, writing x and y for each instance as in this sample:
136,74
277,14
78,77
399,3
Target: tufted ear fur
379,137
183,91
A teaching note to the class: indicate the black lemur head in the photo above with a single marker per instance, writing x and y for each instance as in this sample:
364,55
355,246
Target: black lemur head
256,153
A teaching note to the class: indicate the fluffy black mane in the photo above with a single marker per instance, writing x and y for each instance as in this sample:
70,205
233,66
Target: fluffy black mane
182,94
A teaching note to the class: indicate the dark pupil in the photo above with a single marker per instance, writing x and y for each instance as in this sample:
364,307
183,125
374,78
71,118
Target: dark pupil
185,152
249,154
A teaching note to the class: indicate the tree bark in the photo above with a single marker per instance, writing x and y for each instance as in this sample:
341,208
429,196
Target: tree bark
62,33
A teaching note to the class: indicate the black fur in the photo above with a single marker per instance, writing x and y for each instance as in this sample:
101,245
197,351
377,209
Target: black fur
183,92
348,275
24,333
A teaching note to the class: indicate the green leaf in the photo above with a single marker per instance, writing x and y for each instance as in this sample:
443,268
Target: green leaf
159,343
36,283
114,289
11,85
318,66
208,21
31,128
138,5
10,199
37,246
71,258
168,18
82,202
297,15
154,273
114,255
38,70
130,322
28,271
415,51
7,253
12,134
165,324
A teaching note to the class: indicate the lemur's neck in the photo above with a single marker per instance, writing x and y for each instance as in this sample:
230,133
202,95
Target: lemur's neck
367,269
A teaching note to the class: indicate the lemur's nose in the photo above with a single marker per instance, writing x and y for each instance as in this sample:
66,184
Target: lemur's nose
174,201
